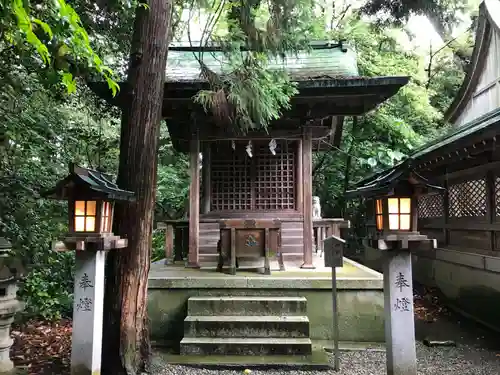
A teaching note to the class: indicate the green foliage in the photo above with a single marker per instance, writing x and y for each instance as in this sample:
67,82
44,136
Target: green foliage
47,291
251,96
173,180
54,30
158,245
384,137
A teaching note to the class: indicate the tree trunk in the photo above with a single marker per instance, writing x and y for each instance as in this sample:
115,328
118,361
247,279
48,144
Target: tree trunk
126,345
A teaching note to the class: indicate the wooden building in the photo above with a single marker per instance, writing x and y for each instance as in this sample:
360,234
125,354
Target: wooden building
465,219
243,176
263,175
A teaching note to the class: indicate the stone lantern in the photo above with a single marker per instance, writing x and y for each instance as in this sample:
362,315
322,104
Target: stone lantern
11,271
396,217
91,195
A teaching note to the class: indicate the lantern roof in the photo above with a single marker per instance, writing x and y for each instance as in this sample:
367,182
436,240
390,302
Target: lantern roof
384,183
91,180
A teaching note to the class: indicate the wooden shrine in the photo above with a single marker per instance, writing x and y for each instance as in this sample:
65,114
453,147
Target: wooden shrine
265,176
249,239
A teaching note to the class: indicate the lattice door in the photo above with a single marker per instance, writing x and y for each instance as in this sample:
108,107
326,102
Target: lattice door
468,199
275,177
263,182
230,179
430,206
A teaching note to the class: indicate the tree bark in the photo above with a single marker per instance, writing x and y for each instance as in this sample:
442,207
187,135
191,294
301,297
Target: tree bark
126,345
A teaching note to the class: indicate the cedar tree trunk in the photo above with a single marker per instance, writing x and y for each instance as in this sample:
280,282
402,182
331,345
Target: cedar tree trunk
126,345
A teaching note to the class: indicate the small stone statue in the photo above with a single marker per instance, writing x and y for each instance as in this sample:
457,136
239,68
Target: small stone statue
316,208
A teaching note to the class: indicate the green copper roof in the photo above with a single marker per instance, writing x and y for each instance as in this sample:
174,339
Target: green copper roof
485,123
94,180
323,60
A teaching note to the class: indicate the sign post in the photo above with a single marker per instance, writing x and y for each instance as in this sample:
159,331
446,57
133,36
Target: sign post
334,257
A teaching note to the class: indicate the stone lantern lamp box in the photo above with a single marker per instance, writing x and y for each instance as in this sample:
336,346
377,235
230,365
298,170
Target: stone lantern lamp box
91,195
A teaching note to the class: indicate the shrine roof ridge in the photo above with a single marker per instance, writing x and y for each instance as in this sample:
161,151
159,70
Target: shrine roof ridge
488,19
320,59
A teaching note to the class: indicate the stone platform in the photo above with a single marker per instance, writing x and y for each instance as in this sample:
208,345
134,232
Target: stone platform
360,298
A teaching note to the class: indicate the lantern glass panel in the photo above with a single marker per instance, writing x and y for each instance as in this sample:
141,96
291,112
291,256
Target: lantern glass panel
404,205
404,222
106,217
378,209
393,221
393,204
79,224
89,223
85,216
380,222
80,208
90,210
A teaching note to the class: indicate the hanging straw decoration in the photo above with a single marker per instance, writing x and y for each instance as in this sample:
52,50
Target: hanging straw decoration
272,146
249,148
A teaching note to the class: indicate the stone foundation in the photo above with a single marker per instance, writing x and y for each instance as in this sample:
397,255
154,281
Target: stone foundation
360,299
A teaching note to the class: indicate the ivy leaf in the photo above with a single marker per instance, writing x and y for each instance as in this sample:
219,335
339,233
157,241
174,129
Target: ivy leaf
69,82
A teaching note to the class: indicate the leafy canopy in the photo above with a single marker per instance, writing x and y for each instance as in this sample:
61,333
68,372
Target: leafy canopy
53,29
251,33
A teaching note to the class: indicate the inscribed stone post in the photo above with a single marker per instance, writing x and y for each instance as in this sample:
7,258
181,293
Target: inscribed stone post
88,313
399,318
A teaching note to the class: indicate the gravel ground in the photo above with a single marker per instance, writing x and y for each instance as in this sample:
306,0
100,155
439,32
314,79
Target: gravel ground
460,360
477,350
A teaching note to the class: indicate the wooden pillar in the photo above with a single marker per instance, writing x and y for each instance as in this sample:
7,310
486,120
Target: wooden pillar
207,186
307,197
300,195
414,213
169,244
194,204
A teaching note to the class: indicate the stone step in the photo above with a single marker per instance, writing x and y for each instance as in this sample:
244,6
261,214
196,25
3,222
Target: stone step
247,326
292,240
247,306
213,232
245,346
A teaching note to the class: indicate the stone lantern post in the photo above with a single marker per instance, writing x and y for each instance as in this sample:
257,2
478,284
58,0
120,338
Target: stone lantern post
396,236
11,271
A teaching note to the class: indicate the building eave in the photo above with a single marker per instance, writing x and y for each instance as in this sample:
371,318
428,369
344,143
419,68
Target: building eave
488,20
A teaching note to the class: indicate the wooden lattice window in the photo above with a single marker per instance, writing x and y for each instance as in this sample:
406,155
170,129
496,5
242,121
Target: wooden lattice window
430,206
274,177
262,182
468,199
497,196
230,179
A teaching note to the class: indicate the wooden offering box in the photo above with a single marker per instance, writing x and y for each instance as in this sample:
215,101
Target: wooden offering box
250,239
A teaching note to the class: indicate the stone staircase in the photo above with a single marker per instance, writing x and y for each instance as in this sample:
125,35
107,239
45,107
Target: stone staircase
246,325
